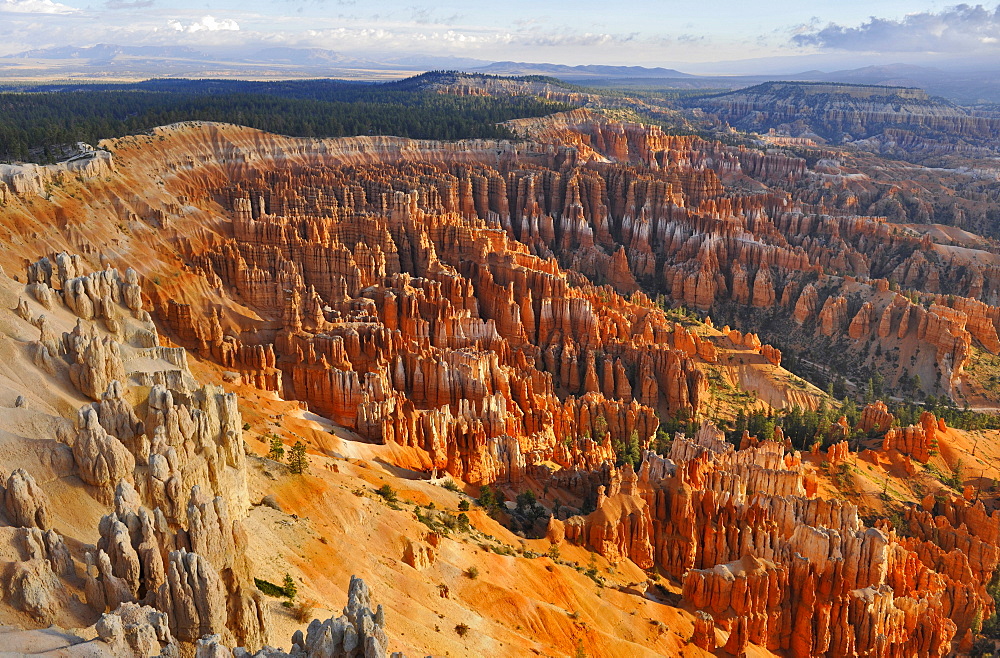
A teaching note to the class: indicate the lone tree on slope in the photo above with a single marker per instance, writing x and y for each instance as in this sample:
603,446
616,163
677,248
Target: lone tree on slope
298,463
277,448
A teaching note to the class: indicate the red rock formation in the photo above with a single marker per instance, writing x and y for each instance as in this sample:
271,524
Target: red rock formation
916,441
439,297
425,326
837,453
785,572
763,289
833,316
805,307
875,416
861,325
704,631
772,354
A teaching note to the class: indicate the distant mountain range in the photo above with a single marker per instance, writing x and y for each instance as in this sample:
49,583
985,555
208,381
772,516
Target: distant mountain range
104,61
107,51
570,72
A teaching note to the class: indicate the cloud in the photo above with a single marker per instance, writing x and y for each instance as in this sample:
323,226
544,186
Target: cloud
957,29
425,16
206,24
128,4
35,7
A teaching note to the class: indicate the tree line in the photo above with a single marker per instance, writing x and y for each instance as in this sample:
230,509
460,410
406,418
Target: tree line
40,117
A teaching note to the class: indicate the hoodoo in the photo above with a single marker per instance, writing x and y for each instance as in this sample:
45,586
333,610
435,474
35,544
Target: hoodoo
582,383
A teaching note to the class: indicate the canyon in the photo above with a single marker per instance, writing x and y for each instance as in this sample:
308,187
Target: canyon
581,314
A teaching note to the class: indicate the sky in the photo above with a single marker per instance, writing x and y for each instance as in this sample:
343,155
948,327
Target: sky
631,32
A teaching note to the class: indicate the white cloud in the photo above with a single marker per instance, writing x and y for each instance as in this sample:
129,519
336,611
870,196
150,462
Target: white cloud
35,7
957,29
206,24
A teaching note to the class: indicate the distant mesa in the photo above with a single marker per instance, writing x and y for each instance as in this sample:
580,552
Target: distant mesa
585,71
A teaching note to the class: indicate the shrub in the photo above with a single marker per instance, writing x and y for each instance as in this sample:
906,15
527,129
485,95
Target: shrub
287,590
463,505
269,588
472,572
462,629
450,485
304,612
387,492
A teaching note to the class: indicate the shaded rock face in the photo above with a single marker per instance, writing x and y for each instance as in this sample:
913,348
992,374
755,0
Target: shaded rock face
175,479
357,633
133,630
25,503
773,565
198,576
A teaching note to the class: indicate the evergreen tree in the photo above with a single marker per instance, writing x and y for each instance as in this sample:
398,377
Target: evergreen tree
298,462
277,451
526,501
289,586
490,499
600,428
869,392
633,454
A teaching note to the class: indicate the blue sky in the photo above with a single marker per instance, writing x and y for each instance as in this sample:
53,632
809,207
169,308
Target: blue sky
642,32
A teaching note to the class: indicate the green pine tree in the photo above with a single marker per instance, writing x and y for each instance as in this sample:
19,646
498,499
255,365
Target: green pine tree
289,586
277,450
298,462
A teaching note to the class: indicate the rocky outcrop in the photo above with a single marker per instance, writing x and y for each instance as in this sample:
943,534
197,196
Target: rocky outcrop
443,299
173,469
357,632
875,417
843,111
861,325
25,504
193,597
102,459
135,630
430,333
704,631
95,363
32,587
198,575
418,554
916,441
